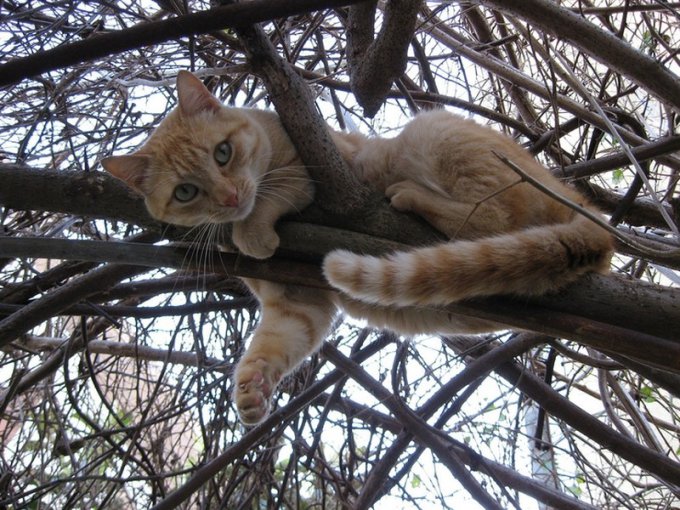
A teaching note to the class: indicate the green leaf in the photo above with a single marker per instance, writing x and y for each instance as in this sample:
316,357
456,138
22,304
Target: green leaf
617,176
575,490
647,394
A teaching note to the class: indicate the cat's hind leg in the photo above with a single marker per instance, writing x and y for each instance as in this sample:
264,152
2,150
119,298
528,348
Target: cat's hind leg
293,324
448,215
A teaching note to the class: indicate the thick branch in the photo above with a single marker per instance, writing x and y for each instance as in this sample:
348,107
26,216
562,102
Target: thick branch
600,311
642,212
99,195
642,153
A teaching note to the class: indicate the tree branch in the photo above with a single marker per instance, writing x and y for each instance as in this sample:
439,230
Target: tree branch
597,311
130,350
600,311
255,435
560,407
70,293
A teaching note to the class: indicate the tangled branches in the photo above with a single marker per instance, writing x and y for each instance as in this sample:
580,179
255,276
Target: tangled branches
117,347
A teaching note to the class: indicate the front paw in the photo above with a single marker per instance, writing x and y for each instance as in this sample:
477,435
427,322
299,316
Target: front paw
259,243
255,381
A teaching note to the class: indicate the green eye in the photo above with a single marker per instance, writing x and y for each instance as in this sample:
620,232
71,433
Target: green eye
222,153
185,192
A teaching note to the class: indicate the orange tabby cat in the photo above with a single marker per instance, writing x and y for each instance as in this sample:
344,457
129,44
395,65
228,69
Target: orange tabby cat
207,163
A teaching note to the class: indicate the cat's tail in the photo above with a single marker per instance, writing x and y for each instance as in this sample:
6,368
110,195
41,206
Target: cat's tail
532,261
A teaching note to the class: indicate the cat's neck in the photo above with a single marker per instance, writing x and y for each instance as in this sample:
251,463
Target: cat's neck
283,152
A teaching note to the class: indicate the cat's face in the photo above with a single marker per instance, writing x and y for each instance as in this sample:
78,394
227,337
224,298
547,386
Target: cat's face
202,164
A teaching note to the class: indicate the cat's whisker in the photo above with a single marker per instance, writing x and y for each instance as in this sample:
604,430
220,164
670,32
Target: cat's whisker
273,198
190,239
267,188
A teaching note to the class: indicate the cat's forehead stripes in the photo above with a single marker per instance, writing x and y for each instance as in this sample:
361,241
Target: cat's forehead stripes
175,149
186,145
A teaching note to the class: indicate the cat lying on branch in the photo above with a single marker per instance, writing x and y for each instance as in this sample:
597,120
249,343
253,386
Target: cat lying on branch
207,163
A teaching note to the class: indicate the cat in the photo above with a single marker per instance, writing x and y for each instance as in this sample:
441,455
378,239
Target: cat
208,163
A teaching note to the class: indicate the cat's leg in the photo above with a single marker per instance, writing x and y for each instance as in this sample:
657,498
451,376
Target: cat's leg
449,216
282,191
255,236
415,321
294,322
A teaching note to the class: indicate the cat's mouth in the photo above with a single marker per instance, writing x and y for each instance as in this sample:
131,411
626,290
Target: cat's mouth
230,214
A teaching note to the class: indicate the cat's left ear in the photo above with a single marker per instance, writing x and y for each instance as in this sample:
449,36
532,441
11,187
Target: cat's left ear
131,169
194,98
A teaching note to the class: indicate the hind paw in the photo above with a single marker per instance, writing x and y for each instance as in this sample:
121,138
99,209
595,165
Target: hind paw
404,195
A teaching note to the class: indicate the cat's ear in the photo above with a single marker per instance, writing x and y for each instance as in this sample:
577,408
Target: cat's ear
131,169
194,98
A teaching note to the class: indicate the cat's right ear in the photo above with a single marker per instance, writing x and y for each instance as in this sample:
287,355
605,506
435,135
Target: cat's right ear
194,97
131,169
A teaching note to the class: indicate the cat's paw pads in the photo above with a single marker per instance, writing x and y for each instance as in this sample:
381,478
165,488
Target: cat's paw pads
402,195
259,244
254,384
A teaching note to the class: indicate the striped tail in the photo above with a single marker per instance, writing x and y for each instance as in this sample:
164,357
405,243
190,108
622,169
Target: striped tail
532,261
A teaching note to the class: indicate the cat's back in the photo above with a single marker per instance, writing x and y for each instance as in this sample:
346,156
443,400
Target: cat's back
446,152
449,149
442,132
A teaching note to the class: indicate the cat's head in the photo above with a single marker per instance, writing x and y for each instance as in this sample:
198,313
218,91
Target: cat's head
202,164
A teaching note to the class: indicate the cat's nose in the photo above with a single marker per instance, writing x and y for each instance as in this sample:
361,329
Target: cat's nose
229,200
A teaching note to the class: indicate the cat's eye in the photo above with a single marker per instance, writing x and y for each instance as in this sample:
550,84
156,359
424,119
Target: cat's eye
185,192
222,153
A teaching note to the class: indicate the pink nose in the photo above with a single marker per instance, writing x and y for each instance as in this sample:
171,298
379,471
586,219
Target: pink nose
230,200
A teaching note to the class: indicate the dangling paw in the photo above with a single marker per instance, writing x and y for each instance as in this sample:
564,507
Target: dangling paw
255,381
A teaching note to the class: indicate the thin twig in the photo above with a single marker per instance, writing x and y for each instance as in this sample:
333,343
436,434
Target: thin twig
671,254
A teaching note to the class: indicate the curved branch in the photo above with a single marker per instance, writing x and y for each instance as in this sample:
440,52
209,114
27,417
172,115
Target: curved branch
375,63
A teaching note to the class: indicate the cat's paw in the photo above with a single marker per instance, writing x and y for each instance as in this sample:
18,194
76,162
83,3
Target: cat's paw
403,195
255,381
256,243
